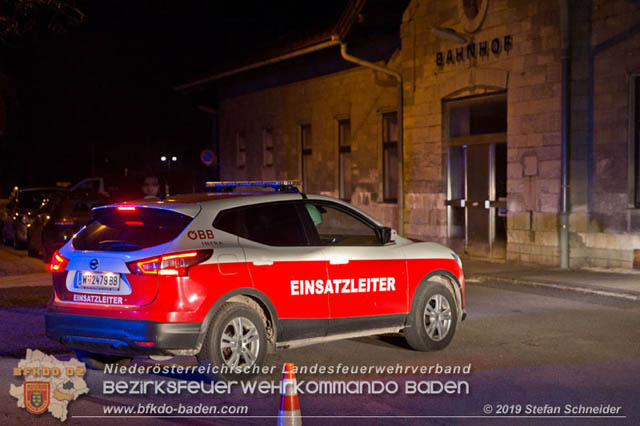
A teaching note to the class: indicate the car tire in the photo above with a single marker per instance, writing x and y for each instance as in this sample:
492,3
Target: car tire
433,318
96,361
232,320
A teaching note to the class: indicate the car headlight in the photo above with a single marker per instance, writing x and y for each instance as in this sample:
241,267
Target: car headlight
457,258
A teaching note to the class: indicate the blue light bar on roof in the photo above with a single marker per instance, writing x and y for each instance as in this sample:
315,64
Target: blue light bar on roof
277,185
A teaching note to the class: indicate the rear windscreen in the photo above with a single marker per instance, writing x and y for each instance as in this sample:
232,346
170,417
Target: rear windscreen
111,229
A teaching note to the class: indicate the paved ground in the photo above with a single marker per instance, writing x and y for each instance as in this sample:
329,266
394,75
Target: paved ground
16,262
526,346
624,284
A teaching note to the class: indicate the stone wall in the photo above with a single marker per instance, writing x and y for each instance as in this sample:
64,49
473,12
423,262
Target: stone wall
355,94
609,231
530,74
606,51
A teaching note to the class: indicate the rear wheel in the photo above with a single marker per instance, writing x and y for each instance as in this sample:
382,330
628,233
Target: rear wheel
98,361
433,318
236,341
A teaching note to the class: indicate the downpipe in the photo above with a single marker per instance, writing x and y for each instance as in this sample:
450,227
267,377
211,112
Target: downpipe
398,77
564,196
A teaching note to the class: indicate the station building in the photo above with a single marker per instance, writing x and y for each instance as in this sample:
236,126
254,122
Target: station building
467,149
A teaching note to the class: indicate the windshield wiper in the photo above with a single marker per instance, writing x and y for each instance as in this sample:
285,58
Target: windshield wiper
118,245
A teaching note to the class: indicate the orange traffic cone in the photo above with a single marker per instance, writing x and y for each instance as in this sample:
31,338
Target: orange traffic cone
289,407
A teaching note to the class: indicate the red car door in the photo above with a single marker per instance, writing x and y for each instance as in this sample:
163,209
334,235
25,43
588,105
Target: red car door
368,280
283,266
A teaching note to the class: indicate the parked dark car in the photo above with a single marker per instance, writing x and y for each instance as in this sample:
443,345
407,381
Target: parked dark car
20,212
59,219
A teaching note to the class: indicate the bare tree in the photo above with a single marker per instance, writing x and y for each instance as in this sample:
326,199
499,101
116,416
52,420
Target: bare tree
24,21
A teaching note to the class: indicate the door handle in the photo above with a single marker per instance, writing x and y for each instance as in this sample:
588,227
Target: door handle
338,261
263,262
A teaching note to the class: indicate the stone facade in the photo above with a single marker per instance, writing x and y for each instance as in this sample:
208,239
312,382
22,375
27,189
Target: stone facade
321,102
524,63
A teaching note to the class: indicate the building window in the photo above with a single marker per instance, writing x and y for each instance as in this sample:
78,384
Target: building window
390,157
305,149
241,151
267,147
344,158
634,145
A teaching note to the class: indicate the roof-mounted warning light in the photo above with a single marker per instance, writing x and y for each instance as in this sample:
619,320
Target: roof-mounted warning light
290,186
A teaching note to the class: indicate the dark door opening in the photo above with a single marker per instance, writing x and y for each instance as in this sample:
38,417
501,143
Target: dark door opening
477,174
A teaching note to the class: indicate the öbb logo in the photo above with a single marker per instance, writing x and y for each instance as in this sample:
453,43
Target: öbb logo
200,234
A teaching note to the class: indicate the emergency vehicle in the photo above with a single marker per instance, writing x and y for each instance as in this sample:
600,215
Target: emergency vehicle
236,273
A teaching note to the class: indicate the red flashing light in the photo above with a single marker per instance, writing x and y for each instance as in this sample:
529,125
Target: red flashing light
126,208
58,262
176,265
134,222
146,343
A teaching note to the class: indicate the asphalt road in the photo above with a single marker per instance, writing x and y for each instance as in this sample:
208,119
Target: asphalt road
528,349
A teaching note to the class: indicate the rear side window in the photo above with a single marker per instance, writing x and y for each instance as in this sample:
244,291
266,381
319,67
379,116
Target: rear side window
274,224
114,230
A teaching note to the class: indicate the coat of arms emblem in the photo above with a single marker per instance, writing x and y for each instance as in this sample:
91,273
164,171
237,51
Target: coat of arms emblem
36,397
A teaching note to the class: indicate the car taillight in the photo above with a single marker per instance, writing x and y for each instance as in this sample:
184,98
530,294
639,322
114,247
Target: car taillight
58,262
175,264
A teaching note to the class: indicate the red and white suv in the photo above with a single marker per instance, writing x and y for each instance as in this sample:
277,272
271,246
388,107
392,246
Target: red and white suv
231,276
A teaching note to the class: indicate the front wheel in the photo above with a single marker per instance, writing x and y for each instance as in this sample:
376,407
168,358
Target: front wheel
236,342
433,318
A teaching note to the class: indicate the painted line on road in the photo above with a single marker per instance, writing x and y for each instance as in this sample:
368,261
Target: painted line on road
557,286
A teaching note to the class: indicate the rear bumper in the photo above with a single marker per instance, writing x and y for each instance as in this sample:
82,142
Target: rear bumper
117,336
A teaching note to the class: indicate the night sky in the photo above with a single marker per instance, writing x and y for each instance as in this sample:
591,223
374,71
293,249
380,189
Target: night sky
107,84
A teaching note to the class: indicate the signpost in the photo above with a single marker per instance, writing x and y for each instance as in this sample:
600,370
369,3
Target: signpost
208,157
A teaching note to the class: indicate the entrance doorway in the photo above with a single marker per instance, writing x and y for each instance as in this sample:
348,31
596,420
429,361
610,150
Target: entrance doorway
475,136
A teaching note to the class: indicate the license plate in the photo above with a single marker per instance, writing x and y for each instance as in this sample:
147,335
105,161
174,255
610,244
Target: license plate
98,280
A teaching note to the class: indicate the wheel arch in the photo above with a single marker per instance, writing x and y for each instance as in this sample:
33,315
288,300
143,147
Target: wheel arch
257,300
446,278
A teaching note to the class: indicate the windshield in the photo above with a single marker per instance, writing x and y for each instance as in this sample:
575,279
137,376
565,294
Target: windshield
113,230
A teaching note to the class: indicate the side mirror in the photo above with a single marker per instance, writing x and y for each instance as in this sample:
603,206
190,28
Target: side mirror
387,235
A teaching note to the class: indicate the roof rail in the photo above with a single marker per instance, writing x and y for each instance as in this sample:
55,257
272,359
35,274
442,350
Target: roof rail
277,185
